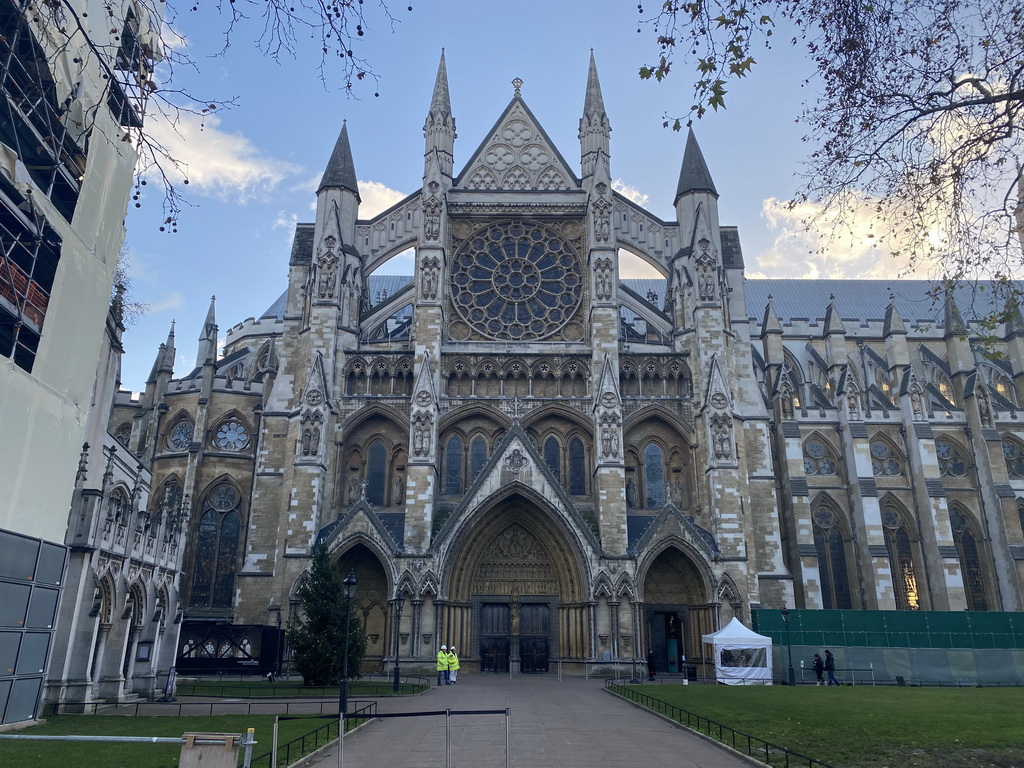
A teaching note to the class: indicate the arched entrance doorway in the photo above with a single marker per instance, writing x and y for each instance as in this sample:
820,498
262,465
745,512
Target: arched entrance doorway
516,592
677,612
370,600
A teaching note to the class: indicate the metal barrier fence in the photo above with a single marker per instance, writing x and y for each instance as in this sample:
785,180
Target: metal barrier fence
299,747
195,708
765,751
246,741
266,690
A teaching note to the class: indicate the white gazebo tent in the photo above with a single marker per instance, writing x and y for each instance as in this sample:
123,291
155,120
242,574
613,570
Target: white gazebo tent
742,657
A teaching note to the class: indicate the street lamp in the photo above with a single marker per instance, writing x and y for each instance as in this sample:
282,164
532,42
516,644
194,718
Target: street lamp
784,612
398,629
349,582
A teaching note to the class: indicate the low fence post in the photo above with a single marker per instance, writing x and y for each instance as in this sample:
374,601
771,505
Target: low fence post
273,743
508,743
448,738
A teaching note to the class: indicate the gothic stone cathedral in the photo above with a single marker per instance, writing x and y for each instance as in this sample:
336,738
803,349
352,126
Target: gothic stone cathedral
536,460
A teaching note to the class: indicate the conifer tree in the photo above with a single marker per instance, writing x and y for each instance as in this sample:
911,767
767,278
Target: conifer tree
318,635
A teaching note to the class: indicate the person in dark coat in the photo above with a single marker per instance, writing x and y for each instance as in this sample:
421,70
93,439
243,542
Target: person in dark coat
651,667
818,666
830,668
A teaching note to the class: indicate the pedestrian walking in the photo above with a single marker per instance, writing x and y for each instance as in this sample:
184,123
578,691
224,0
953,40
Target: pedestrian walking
830,668
651,665
442,665
818,666
453,666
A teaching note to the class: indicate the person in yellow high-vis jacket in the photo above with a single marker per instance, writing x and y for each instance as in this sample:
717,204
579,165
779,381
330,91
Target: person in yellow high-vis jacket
453,666
442,664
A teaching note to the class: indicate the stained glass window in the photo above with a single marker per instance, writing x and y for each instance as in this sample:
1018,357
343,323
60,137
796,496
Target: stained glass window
453,466
952,462
220,527
654,476
901,560
553,456
818,459
577,468
376,473
884,460
831,550
1005,389
181,435
231,435
946,388
970,562
516,281
477,456
1014,458
123,435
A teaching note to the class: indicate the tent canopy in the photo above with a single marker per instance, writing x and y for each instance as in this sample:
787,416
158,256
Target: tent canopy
742,657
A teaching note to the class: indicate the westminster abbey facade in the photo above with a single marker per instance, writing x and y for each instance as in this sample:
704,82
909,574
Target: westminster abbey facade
523,454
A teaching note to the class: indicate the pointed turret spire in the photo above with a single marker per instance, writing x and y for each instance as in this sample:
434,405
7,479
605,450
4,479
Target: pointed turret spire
170,352
439,128
593,105
1014,319
833,320
951,319
694,175
440,102
595,131
208,338
893,324
770,323
341,170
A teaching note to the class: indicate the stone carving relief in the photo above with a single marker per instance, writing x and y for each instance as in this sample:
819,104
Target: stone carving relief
603,279
602,211
706,278
721,436
430,273
422,433
984,409
520,157
515,562
432,219
609,436
312,427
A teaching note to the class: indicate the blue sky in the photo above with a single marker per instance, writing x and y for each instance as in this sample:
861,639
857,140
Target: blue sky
254,168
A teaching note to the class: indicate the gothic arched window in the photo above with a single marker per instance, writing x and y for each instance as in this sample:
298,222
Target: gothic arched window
477,456
376,473
819,458
654,476
123,435
900,549
830,546
220,528
1014,455
1005,389
577,468
885,461
553,457
180,436
970,561
453,466
952,459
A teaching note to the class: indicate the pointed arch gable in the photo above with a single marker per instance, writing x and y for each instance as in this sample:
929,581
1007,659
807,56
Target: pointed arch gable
371,410
603,586
674,542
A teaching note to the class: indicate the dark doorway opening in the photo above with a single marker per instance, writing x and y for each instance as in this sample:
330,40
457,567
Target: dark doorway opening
533,639
668,641
494,637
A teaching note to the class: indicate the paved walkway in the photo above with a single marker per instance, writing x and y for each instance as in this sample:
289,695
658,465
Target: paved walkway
568,724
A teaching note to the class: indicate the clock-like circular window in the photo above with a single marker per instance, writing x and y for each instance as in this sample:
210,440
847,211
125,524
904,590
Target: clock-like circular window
231,436
181,435
516,281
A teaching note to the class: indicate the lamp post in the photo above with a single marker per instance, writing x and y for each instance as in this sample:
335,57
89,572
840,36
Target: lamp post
784,612
398,630
349,582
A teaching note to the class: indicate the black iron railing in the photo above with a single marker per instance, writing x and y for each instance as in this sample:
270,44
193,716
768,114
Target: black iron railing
299,747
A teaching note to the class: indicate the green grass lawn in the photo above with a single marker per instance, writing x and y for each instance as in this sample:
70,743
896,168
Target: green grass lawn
869,727
43,754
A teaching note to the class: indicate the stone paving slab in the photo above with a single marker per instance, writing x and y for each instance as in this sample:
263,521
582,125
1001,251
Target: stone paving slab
567,724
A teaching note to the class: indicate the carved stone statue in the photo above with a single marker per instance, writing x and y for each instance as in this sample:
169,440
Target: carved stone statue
631,493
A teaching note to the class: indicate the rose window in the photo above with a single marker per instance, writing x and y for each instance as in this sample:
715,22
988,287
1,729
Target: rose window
516,281
231,436
181,435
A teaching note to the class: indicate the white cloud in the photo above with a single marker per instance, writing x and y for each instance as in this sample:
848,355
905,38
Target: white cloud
813,243
286,221
376,197
632,193
216,162
170,301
